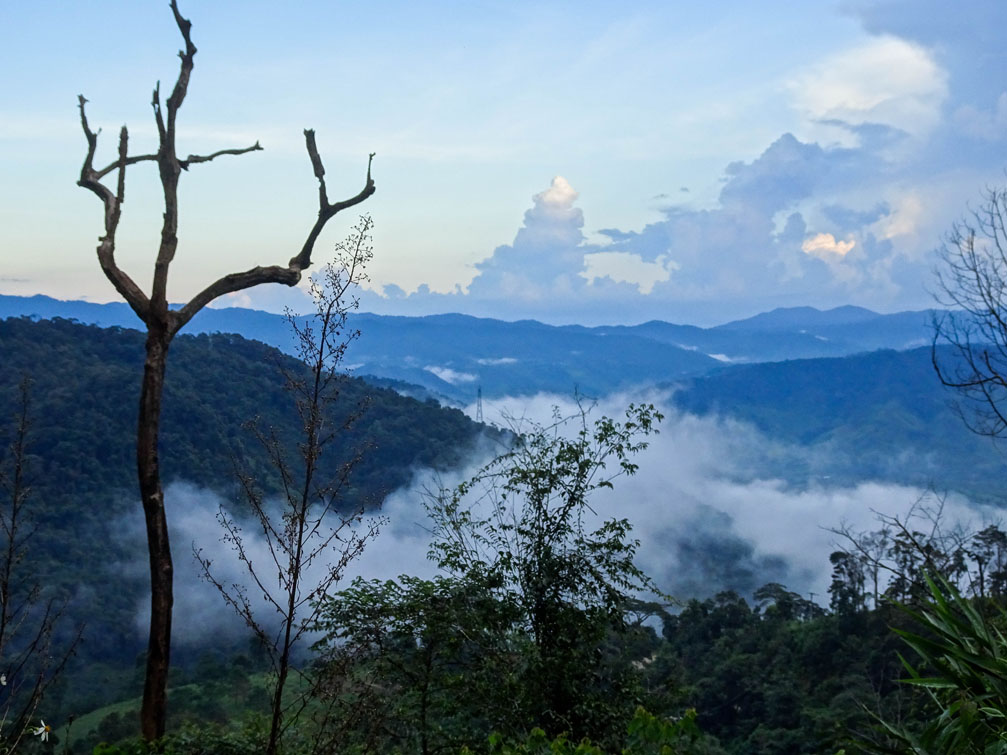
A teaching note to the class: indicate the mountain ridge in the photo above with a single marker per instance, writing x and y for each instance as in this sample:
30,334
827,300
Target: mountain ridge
457,356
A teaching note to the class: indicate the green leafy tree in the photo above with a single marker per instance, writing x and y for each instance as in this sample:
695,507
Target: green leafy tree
528,625
847,587
419,665
524,520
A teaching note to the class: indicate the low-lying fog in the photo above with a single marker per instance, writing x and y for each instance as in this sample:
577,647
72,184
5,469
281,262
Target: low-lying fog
705,518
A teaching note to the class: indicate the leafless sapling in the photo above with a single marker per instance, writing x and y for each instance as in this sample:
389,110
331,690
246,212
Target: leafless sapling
313,532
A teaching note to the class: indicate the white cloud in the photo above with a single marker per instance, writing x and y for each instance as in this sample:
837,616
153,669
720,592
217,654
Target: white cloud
886,81
450,376
707,516
552,220
626,267
825,246
560,195
904,219
497,361
707,519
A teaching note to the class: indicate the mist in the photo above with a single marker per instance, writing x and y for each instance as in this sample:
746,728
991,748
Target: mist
706,515
709,519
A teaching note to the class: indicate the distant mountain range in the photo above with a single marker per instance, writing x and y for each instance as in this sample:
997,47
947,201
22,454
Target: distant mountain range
453,356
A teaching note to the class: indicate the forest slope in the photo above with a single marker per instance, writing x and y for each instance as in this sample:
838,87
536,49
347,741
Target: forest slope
882,415
84,394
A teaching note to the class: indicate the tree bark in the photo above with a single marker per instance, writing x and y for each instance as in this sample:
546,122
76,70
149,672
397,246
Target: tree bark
154,710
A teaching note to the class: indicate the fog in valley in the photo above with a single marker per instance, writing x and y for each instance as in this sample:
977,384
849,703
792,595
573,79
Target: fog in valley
706,517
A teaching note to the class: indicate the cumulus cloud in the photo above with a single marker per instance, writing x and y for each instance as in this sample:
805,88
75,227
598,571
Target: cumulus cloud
887,80
793,225
553,219
825,246
546,251
845,210
967,41
625,267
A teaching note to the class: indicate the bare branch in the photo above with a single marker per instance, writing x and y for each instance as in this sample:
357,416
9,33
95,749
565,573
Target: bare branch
289,275
229,284
193,159
326,210
182,83
128,161
90,180
155,102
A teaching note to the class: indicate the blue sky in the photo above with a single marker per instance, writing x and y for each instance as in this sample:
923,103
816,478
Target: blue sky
570,162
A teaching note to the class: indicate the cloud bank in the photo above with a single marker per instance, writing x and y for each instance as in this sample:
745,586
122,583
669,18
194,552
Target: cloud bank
706,515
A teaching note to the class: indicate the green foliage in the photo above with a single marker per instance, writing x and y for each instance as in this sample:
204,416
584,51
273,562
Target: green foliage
646,734
248,739
528,627
522,523
442,647
963,651
778,678
83,463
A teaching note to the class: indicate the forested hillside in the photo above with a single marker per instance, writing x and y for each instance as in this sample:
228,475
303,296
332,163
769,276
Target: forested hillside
453,355
84,388
449,660
876,416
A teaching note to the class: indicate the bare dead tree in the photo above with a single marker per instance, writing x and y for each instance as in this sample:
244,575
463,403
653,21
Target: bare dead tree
28,663
314,532
162,323
972,283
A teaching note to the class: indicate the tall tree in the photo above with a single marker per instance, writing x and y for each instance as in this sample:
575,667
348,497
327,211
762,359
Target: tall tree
163,323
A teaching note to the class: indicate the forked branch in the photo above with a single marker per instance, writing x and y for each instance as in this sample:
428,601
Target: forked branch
90,179
169,166
291,274
326,209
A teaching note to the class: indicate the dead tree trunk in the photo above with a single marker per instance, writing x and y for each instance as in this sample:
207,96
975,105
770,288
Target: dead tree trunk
163,323
159,548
